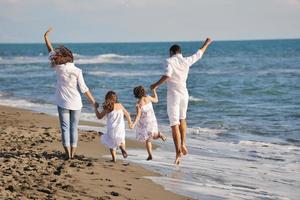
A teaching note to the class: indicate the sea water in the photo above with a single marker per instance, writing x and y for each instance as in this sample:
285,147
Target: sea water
243,116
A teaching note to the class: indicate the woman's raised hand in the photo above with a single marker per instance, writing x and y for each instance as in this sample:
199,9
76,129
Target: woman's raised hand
48,31
47,40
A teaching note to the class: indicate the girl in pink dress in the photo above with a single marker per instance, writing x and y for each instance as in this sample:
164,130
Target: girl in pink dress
145,120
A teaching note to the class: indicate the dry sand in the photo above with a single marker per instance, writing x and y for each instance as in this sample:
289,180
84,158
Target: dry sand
32,164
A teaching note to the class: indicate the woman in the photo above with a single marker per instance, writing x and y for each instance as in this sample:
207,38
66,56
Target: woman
68,99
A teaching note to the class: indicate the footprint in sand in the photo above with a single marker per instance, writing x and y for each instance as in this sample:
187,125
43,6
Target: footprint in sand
113,193
103,198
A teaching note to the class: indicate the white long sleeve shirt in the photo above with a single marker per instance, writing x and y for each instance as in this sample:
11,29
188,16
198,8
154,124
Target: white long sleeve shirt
177,70
69,79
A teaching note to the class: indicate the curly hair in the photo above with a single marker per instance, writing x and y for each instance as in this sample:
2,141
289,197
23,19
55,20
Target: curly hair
139,92
62,55
110,99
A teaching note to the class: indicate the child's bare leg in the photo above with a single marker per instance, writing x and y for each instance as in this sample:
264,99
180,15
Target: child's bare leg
159,135
113,155
149,149
176,137
162,136
124,152
182,128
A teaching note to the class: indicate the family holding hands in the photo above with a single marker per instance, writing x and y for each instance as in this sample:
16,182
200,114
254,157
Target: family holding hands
70,83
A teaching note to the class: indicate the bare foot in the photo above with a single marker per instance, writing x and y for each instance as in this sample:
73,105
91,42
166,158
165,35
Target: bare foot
124,153
100,133
184,150
162,137
149,157
113,160
66,157
178,156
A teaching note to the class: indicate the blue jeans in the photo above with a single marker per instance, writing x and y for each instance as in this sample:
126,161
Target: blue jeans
69,120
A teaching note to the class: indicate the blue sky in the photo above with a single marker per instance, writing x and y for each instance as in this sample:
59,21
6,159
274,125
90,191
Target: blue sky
148,20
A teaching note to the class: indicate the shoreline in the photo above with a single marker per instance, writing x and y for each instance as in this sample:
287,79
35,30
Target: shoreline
32,164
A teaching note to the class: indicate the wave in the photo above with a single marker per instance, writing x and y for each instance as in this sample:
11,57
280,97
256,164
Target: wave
38,106
210,131
279,71
123,74
82,59
23,60
282,146
115,59
195,99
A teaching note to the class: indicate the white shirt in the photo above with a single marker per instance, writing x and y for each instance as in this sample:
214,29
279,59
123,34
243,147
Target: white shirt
69,79
178,69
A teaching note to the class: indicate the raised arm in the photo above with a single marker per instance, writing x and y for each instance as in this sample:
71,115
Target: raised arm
207,42
47,41
137,117
127,115
198,55
163,79
154,97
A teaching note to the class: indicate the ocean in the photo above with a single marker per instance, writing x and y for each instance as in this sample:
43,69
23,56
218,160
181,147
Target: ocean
243,116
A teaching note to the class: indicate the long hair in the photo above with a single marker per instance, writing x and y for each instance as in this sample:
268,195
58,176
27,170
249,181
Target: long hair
62,55
110,99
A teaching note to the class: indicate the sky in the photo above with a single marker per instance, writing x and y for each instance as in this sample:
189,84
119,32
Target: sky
25,21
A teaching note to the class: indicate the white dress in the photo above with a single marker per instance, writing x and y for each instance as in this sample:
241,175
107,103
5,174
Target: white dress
115,134
146,127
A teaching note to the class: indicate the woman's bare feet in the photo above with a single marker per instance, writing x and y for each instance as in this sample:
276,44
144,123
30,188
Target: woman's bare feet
162,137
178,156
149,157
184,150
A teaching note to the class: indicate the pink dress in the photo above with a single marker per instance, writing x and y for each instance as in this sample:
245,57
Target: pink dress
146,127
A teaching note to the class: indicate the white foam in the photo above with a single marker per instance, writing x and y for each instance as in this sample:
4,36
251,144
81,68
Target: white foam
115,59
47,108
25,104
202,131
195,99
24,60
220,169
82,59
123,74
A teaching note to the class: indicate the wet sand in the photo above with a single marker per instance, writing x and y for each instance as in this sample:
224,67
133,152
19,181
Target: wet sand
32,164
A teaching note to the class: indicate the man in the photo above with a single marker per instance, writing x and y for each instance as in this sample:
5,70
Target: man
176,75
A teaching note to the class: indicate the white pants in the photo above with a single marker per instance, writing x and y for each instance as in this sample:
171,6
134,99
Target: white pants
177,104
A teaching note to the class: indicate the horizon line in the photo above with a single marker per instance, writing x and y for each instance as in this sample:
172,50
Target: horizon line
167,41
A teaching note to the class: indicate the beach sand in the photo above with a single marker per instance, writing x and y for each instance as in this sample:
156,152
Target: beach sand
32,164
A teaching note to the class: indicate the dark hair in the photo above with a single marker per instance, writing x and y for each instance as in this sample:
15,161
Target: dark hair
174,49
62,55
110,99
139,92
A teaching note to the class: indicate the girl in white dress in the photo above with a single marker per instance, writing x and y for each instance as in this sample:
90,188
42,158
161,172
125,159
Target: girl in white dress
115,135
145,120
